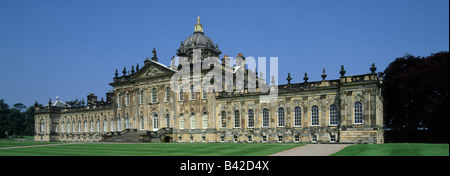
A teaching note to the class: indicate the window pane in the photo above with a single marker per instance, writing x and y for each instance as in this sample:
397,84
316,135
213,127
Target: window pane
265,119
192,121
333,115
297,116
251,118
315,116
281,117
237,119
205,120
358,113
223,115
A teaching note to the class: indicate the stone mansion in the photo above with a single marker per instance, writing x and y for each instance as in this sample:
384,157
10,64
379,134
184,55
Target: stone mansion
143,108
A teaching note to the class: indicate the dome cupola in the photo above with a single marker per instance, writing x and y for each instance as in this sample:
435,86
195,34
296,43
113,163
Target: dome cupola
198,40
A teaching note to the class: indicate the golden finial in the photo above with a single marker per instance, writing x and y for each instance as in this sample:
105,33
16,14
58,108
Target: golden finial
198,26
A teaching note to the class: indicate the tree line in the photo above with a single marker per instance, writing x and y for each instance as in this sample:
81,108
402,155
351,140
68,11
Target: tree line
16,121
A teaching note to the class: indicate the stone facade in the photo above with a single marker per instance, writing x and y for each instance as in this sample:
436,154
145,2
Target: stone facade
142,105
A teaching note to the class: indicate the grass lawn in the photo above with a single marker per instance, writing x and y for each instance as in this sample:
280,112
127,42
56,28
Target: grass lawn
148,149
395,149
26,141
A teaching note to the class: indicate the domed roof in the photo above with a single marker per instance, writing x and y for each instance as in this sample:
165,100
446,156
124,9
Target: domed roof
198,40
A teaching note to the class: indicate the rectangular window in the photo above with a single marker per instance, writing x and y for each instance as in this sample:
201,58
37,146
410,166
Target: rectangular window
296,138
280,138
119,100
297,117
237,119
265,119
154,96
280,117
223,116
181,96
192,93
167,99
250,138
142,122
251,119
358,113
127,99
315,116
333,115
264,138
204,95
141,97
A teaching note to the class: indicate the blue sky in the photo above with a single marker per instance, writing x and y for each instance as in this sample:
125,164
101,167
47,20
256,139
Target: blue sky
72,48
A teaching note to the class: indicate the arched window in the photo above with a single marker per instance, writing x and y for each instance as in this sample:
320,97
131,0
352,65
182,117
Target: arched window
105,124
223,119
112,125
237,119
192,121
155,122
333,115
92,125
251,118
73,126
167,99
265,119
98,125
297,117
167,120
154,96
315,116
358,113
205,120
280,117
127,122
68,126
141,120
62,127
181,122
79,126
85,126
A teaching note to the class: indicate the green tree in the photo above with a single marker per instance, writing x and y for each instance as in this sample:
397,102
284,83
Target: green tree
29,121
4,121
416,97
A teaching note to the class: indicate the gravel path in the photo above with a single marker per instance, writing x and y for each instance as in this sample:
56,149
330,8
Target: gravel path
313,150
28,146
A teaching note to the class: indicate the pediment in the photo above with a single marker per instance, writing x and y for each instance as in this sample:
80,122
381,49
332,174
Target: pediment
153,69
